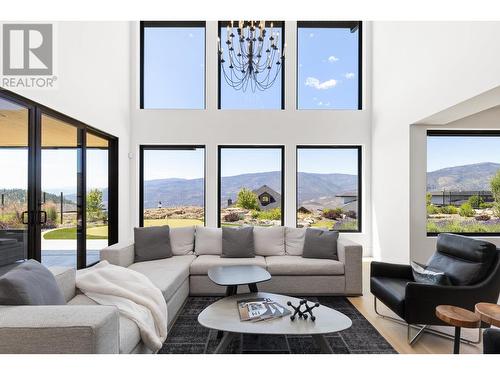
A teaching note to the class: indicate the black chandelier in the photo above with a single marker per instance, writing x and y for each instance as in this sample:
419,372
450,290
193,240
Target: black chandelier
253,57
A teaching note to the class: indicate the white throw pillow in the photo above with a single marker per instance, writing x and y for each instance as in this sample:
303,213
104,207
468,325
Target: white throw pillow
269,240
294,240
208,241
182,240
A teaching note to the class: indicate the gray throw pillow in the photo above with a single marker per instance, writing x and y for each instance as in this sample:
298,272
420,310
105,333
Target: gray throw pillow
320,244
30,283
152,243
427,275
237,242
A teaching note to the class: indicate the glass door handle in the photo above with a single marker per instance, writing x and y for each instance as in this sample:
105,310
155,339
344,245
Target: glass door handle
25,217
44,215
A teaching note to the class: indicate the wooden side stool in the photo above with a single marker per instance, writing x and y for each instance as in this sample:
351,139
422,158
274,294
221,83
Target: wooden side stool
489,313
458,318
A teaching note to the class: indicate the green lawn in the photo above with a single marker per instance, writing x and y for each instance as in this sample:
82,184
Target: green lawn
174,223
93,233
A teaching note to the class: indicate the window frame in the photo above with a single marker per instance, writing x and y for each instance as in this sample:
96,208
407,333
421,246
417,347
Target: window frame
459,133
332,25
359,149
219,177
165,24
281,24
174,147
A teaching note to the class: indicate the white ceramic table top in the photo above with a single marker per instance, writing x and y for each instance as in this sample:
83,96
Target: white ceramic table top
223,315
238,275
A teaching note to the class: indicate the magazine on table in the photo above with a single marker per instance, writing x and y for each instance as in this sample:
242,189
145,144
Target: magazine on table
259,309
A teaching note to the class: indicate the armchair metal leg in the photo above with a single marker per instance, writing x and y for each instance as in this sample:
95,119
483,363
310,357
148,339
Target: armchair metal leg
424,328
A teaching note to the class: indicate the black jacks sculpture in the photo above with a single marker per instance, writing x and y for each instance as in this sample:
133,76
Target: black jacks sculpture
303,314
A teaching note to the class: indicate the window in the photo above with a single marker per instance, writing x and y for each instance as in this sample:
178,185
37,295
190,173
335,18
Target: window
329,65
251,185
172,190
271,98
329,187
463,182
173,65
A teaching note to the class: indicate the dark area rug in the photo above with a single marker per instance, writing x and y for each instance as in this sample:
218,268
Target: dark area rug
188,337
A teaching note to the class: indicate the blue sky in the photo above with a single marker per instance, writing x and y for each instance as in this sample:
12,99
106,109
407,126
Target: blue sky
235,161
328,161
174,67
443,152
161,164
327,68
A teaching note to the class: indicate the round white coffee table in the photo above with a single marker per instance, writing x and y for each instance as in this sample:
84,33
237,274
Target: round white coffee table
232,276
223,315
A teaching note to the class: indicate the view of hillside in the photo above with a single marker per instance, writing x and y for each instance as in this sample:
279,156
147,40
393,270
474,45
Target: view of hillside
464,177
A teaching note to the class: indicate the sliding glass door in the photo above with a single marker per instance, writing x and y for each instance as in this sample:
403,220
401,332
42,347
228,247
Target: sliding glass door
58,186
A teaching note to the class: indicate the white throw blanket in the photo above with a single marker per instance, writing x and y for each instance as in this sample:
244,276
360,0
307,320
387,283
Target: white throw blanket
132,293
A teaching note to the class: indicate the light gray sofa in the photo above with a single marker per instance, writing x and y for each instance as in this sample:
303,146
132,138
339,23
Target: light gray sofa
81,326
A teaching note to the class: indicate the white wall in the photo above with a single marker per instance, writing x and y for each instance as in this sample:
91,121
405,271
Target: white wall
419,69
93,86
288,127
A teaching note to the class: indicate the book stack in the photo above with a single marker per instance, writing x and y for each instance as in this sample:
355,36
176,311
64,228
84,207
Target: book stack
259,309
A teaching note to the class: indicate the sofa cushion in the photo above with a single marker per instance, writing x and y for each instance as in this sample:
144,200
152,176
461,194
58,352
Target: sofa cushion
182,240
391,291
269,240
202,263
130,335
466,261
152,243
320,244
167,274
65,277
30,283
237,242
294,240
208,241
296,265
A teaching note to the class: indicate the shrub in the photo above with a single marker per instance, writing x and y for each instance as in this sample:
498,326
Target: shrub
475,201
483,217
332,214
495,187
486,205
232,217
255,214
351,214
247,199
496,209
449,210
466,210
428,199
432,210
273,214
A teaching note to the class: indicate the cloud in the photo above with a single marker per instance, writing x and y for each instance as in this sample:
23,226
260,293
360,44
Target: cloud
315,83
349,75
333,59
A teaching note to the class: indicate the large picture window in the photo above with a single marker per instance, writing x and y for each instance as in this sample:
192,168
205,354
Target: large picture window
251,185
172,185
270,98
173,64
329,187
463,182
329,65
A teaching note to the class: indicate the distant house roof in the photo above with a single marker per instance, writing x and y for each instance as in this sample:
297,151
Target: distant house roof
268,197
348,195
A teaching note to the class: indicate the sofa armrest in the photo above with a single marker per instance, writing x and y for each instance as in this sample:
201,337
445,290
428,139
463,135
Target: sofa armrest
119,254
66,279
395,271
59,329
351,254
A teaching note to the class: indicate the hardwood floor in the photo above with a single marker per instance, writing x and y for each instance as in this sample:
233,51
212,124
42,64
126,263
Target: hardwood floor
396,333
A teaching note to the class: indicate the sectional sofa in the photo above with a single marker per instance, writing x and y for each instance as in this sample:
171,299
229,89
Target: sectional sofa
82,327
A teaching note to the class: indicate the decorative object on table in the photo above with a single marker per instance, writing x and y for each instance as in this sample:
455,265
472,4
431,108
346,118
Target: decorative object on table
254,55
303,314
259,309
458,318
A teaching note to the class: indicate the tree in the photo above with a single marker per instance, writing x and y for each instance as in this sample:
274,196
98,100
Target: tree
95,207
476,201
495,190
247,199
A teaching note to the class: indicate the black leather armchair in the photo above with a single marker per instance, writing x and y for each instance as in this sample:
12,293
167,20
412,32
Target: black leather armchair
491,341
472,265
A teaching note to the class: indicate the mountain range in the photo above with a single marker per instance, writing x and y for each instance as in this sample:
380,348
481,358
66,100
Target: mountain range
463,177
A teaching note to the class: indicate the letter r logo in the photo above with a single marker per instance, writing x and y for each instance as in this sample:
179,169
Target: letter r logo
27,49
